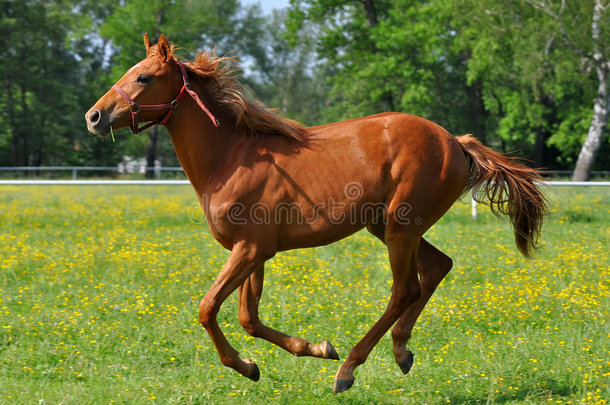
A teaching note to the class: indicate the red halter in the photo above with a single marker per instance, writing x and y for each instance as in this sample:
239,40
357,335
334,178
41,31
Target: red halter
136,108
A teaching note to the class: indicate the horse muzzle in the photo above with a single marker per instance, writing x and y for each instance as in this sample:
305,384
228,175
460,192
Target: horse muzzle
97,122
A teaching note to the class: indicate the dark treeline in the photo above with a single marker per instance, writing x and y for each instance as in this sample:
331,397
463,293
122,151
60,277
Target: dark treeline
530,77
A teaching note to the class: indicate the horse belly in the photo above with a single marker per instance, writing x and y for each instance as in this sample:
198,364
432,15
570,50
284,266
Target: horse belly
326,222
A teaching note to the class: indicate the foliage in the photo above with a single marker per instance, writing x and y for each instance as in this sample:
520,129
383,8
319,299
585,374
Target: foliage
395,56
502,70
40,77
535,87
520,75
100,289
286,76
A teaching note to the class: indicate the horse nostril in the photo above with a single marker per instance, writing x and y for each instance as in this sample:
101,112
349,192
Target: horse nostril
94,117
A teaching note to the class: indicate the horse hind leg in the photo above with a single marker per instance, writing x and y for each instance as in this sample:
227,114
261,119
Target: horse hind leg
432,266
402,249
249,296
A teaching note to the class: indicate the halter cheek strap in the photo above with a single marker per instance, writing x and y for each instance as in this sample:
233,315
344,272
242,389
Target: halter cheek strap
187,86
136,108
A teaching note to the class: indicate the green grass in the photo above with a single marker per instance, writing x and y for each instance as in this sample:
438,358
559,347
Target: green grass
100,289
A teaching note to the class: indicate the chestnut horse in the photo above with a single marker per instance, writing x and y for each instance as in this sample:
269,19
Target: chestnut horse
268,184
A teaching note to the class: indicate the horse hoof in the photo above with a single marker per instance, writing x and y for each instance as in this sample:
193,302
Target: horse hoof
342,385
255,374
329,350
407,363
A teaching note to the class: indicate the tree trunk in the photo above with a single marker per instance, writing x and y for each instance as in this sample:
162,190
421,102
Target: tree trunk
371,16
542,132
10,112
371,12
477,110
25,135
151,151
40,145
595,136
540,147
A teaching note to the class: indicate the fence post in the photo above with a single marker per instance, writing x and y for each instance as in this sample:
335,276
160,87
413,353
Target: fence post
74,169
473,206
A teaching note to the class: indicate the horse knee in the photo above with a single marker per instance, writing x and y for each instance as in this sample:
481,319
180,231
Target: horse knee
207,312
230,361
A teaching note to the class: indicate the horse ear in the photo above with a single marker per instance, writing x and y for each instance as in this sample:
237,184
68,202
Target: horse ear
165,50
147,43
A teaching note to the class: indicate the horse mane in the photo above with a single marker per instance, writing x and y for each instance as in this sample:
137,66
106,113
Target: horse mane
252,118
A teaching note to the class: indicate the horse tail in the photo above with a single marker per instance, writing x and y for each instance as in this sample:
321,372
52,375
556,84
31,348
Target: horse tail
510,188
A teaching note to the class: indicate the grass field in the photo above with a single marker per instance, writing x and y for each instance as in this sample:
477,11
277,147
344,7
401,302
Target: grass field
100,289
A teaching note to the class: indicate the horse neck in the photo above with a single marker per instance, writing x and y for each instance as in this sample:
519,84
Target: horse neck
202,149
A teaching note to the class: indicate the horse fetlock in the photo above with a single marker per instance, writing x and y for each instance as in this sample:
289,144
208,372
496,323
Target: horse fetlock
328,350
231,362
400,335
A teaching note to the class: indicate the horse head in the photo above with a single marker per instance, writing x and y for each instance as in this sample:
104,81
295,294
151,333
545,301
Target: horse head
146,92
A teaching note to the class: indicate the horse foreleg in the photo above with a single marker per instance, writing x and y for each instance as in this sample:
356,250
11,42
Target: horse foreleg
433,265
244,259
249,296
405,291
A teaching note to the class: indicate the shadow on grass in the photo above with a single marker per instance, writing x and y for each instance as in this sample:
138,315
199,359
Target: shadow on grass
544,388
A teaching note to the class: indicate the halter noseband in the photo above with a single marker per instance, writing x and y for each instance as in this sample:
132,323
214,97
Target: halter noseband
137,108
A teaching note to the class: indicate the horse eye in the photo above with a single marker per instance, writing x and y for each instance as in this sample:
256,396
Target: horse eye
142,79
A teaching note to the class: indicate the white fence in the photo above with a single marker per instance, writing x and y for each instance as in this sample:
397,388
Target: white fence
39,182
473,203
129,165
91,182
123,167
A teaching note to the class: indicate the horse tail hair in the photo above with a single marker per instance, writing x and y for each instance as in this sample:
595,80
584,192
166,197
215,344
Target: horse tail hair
510,188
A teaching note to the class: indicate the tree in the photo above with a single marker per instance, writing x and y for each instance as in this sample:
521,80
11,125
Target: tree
515,78
95,69
193,25
391,56
286,76
515,73
592,45
57,58
40,79
124,28
534,59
